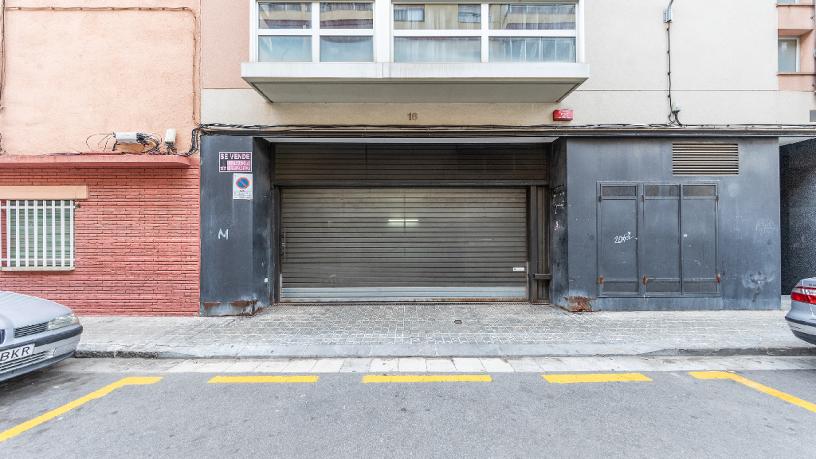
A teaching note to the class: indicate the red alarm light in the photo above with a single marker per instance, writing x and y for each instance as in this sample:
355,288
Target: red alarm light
563,114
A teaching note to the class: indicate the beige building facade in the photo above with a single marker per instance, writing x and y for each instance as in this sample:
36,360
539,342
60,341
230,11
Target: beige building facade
234,155
724,71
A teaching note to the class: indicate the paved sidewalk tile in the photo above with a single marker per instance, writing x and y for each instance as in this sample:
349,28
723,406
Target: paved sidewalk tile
356,366
384,365
327,366
244,366
187,366
300,366
510,330
524,364
464,364
494,365
272,366
412,364
440,365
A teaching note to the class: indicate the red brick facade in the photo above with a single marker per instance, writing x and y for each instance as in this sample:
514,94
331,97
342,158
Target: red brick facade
136,241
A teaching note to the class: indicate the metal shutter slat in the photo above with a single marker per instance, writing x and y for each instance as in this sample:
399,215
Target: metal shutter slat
340,244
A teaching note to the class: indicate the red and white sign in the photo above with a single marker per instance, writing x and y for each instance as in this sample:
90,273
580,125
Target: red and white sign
563,114
235,161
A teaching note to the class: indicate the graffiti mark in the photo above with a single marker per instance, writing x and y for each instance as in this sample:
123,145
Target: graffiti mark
223,234
765,227
756,282
620,239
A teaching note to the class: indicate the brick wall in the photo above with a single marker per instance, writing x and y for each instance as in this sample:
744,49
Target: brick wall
136,242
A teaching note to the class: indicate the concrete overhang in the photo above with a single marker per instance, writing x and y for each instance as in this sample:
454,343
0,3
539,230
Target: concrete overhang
400,82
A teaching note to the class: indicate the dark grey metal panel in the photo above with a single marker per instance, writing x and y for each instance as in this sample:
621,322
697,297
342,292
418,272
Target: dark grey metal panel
538,216
699,227
660,239
747,240
403,243
618,240
235,234
353,164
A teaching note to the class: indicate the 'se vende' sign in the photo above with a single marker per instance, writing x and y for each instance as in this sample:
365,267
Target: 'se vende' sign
235,161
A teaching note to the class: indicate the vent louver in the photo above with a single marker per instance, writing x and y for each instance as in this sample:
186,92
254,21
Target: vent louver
705,159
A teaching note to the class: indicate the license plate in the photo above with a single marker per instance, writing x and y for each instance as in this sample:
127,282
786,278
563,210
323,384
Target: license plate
16,353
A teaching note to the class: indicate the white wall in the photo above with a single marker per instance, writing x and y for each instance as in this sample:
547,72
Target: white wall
724,63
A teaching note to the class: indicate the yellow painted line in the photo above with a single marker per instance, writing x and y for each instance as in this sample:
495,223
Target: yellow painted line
263,379
375,379
756,386
580,378
131,381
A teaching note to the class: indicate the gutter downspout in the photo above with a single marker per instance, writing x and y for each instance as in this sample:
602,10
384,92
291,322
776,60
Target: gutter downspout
674,111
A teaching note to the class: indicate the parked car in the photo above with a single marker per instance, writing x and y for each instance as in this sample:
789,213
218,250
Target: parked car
34,333
802,315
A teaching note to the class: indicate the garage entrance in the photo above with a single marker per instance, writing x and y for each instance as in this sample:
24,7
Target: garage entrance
404,244
364,223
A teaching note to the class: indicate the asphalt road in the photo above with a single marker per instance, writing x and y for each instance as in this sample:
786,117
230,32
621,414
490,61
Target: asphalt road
672,414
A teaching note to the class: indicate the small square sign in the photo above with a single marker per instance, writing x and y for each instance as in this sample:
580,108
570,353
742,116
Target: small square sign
235,161
242,186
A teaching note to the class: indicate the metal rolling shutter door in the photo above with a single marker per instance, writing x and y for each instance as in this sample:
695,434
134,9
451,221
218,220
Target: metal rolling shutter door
400,244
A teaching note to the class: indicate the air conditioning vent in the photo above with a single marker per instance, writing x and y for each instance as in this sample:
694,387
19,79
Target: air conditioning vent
705,159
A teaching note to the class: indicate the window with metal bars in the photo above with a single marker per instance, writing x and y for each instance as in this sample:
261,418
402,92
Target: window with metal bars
36,234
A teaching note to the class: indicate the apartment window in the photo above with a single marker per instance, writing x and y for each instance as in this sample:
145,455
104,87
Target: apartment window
788,54
442,32
315,32
418,32
485,32
37,235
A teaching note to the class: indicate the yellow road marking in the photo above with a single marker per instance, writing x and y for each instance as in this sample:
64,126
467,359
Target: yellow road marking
595,378
262,379
756,386
131,381
369,379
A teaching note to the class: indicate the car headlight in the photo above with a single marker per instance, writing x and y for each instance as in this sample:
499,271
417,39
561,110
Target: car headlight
63,321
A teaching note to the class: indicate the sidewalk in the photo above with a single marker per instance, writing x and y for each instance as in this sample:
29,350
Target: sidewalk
470,330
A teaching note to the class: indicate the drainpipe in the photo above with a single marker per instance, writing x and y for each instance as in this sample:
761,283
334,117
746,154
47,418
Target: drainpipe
813,17
674,111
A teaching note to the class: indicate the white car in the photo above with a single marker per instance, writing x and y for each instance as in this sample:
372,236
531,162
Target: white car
802,315
34,333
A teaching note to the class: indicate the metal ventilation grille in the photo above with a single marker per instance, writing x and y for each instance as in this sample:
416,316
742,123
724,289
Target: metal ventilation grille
705,159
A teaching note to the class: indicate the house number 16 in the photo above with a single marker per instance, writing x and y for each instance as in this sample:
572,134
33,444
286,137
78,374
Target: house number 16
413,116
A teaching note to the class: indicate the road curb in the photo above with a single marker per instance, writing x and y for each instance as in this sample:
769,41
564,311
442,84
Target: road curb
491,351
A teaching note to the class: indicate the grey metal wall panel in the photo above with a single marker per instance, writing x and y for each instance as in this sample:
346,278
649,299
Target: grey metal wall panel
316,163
618,242
403,243
747,242
699,226
660,239
235,233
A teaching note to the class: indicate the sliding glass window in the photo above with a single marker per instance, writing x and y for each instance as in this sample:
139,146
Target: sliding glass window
443,32
437,32
485,32
315,32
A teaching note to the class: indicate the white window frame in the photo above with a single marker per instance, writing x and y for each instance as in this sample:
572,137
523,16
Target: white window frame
484,32
26,232
798,52
314,31
384,31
